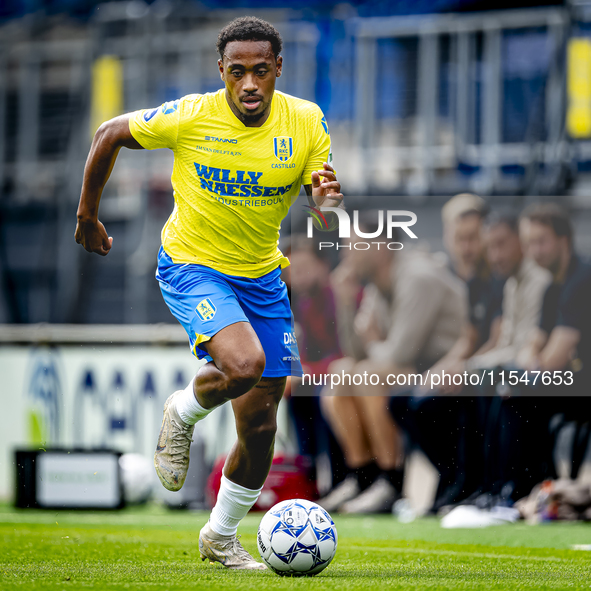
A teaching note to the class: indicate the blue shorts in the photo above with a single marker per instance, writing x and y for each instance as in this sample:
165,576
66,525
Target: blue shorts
205,301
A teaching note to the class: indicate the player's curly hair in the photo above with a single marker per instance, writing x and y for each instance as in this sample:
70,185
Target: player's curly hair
249,28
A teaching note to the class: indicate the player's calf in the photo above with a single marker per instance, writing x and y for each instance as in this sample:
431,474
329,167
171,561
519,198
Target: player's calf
247,466
258,440
256,424
250,458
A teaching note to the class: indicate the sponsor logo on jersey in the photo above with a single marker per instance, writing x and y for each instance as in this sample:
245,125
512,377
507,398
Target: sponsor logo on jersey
216,151
170,107
205,309
283,148
223,140
239,183
289,338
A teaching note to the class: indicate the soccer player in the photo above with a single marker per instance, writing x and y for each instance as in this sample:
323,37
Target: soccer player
241,156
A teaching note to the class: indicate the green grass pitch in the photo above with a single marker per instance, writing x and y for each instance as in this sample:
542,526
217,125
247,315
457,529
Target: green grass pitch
156,549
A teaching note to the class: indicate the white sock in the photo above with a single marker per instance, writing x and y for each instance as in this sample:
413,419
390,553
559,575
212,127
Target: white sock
233,503
188,408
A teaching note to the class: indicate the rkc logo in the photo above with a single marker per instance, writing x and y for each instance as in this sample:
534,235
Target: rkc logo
205,309
283,148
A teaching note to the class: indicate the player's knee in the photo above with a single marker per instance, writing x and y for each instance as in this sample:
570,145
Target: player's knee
244,372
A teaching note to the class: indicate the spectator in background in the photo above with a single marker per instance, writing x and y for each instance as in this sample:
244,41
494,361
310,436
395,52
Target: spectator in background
521,311
522,301
411,314
522,294
313,306
454,445
560,343
463,235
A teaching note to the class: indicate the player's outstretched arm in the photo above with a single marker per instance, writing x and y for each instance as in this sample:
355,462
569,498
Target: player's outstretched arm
110,137
325,192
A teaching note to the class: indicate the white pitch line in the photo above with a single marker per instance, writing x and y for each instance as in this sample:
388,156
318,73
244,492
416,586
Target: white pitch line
461,553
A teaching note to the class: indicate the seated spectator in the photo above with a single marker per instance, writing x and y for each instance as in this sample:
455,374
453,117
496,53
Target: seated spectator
411,315
454,446
523,293
313,306
522,303
462,218
560,343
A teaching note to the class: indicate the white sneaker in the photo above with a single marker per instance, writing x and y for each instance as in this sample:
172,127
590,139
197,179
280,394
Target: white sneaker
343,492
378,498
227,550
171,459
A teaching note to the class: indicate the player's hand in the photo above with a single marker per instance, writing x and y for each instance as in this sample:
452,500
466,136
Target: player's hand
326,190
93,237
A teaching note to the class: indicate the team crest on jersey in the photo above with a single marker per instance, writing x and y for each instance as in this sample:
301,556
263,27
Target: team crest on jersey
283,148
205,309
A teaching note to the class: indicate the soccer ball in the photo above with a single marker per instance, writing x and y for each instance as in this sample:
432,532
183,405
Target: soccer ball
297,538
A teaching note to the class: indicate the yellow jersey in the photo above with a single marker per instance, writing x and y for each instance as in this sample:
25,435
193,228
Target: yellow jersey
233,184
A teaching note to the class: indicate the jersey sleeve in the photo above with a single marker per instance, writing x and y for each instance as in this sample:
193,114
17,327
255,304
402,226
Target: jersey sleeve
156,128
321,150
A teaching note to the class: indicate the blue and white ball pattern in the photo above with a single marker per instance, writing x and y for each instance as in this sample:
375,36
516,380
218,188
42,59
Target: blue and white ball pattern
297,538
